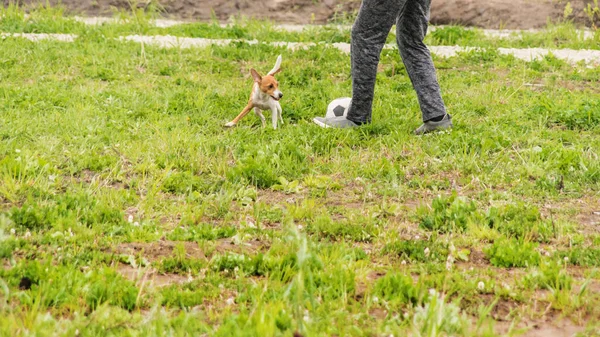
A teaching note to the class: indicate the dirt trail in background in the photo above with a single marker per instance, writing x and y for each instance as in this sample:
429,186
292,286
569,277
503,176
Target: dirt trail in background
510,14
590,57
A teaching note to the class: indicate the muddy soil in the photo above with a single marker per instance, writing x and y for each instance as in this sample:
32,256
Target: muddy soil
495,14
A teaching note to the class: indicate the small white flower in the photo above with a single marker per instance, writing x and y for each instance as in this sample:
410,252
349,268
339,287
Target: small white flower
432,292
449,262
251,224
27,234
566,259
417,237
306,316
136,224
481,285
375,299
403,262
300,227
130,218
547,253
12,231
230,301
427,252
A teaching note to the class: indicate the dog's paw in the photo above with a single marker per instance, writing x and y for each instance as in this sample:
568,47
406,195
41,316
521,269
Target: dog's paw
229,125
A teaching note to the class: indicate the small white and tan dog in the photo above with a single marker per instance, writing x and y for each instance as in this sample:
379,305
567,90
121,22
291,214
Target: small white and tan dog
265,96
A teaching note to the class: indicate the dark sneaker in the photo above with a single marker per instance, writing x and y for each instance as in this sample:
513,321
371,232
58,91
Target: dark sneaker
430,126
335,122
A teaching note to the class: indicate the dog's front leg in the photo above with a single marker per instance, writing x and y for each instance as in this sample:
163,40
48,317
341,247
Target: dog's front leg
274,114
279,113
261,116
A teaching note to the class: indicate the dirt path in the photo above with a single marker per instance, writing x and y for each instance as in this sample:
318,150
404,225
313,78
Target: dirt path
590,57
510,14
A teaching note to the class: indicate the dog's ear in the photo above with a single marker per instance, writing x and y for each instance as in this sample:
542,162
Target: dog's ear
256,76
276,71
277,67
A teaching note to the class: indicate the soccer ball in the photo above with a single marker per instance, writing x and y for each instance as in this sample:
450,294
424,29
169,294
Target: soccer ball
338,107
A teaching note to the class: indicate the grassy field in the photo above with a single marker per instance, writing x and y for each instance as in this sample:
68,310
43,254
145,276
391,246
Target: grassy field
127,210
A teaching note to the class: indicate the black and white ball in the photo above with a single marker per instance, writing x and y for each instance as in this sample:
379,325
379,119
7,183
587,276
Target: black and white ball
338,107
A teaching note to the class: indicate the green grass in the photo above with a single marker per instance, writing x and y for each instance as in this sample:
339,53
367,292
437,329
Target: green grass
105,146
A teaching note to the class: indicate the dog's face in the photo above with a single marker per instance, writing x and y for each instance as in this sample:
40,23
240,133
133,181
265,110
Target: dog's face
267,84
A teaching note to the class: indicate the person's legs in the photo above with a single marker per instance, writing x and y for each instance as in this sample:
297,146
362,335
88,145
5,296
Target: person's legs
369,32
411,29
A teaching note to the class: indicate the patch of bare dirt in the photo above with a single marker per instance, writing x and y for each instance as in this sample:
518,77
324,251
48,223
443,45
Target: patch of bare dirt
6,265
150,277
361,287
563,328
85,176
346,199
587,211
531,315
378,313
252,246
502,14
590,222
508,14
585,86
503,309
160,249
478,258
350,196
272,197
154,251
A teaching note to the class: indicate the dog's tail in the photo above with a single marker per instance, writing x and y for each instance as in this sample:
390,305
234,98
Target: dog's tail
277,67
